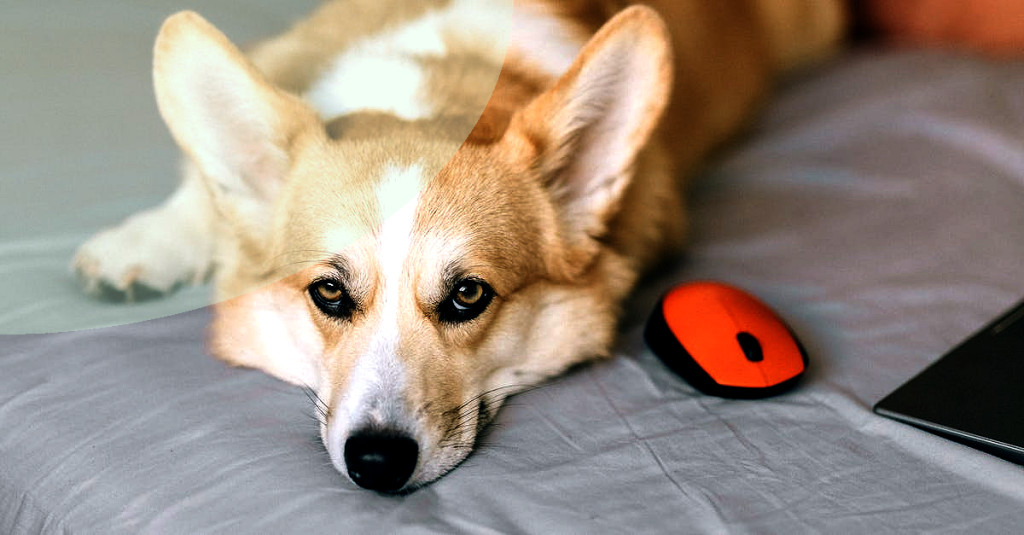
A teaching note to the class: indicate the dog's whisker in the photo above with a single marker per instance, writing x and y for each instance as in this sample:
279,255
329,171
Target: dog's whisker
483,395
315,418
318,403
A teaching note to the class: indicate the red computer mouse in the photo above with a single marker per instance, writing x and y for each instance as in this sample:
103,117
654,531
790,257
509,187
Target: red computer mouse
724,341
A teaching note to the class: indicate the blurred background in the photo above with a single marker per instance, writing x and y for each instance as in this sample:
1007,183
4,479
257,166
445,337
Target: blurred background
82,145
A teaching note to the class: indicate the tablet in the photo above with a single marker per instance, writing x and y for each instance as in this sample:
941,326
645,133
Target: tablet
974,394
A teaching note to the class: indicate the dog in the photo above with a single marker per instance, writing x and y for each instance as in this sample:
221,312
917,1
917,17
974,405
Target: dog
418,208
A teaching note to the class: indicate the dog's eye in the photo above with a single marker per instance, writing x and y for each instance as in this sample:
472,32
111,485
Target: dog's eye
329,291
467,295
467,300
330,297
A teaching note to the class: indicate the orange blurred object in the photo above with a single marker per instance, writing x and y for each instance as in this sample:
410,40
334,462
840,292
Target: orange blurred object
994,27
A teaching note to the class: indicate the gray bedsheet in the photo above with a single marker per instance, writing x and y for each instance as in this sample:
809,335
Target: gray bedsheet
878,204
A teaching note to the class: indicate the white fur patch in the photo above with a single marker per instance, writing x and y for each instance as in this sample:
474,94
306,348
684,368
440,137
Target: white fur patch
397,197
357,82
375,392
542,40
383,72
483,25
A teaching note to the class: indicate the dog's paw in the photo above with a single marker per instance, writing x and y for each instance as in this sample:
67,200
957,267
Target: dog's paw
149,255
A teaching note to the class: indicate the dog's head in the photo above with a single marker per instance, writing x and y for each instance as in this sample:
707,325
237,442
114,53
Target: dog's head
414,281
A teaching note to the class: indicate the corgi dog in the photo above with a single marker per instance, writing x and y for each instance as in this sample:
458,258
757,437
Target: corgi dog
418,208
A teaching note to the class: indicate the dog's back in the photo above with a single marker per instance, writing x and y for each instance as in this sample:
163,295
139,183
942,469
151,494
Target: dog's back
726,52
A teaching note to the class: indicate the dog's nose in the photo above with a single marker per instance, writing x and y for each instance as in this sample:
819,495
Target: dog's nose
381,461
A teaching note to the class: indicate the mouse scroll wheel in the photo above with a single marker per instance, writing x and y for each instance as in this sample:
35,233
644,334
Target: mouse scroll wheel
751,347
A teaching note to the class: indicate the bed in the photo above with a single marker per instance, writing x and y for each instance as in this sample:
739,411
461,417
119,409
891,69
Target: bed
877,203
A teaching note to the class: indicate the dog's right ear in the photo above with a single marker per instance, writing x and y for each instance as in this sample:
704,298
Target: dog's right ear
584,133
235,126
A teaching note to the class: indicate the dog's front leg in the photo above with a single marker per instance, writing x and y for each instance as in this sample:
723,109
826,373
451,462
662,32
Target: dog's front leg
153,252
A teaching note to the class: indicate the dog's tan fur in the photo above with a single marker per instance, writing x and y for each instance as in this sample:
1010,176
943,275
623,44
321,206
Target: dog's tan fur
558,188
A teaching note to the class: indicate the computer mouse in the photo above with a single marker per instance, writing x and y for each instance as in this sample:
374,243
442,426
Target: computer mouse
724,341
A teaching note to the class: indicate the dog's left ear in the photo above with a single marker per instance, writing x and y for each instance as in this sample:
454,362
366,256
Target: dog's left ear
233,123
585,132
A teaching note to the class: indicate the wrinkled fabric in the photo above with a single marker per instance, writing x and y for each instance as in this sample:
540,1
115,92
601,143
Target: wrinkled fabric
877,203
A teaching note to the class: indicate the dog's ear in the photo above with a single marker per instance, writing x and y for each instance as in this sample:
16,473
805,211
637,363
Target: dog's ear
234,125
585,132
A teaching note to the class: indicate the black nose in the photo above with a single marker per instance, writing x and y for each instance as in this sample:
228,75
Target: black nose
381,461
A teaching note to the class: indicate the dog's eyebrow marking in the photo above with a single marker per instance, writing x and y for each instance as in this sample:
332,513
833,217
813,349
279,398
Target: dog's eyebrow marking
448,277
452,274
340,264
